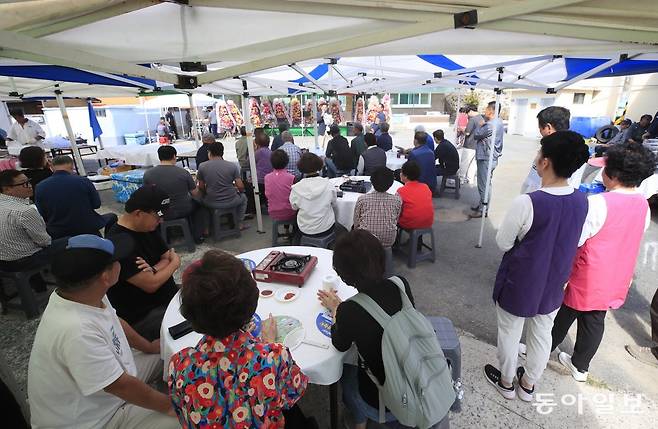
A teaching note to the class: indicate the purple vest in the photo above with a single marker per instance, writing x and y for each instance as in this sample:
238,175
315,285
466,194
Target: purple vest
532,274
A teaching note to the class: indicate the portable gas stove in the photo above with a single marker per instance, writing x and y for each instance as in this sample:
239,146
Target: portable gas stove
280,267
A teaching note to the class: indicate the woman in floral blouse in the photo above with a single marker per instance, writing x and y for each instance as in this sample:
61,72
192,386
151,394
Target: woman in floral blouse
232,379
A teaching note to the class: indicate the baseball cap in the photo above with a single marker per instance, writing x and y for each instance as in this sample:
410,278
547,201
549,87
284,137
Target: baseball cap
88,255
334,129
148,199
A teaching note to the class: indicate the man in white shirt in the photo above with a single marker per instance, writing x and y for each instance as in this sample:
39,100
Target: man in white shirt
82,371
24,132
550,120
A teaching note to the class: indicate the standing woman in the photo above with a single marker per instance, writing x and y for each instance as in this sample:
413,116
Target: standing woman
613,231
540,237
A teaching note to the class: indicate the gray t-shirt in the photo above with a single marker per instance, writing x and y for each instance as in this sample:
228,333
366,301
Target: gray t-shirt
219,175
176,182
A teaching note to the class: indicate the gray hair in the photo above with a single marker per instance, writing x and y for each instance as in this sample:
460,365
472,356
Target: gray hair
419,127
358,126
287,137
208,139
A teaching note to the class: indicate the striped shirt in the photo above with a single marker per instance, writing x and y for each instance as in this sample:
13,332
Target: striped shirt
378,213
22,229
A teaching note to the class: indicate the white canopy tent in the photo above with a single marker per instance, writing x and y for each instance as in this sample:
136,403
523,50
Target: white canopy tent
270,44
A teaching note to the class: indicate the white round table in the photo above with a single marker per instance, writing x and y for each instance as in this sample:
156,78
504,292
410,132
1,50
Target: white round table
322,366
346,204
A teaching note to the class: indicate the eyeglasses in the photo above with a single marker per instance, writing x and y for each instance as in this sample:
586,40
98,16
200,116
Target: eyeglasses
25,184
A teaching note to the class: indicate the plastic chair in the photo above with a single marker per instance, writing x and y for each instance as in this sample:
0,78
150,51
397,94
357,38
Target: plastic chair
449,341
414,254
275,230
217,231
323,242
182,223
444,186
21,280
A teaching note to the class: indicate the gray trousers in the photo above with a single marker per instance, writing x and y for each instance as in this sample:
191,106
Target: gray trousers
538,342
483,166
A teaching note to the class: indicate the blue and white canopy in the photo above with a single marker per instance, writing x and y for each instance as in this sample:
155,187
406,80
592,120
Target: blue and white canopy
282,46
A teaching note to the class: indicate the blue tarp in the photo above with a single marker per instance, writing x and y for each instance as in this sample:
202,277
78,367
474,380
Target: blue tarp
68,74
578,66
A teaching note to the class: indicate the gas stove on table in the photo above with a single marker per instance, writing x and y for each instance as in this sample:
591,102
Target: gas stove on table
281,267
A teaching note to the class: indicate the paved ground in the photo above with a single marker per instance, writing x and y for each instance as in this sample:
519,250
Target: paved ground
459,286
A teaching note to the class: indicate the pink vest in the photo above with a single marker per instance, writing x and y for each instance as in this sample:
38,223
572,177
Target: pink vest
603,268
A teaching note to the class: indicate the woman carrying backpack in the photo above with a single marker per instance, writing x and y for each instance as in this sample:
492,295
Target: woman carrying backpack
540,236
353,324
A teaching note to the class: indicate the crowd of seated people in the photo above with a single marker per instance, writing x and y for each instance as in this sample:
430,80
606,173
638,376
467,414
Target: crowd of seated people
98,345
100,331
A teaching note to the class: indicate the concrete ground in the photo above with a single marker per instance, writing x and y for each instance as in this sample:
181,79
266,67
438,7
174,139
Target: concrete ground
458,286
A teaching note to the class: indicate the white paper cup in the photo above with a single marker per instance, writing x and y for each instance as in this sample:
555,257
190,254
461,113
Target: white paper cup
329,283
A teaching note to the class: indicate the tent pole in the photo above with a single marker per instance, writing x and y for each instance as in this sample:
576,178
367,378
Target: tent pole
74,147
487,188
146,119
315,116
194,130
459,103
252,157
100,142
182,122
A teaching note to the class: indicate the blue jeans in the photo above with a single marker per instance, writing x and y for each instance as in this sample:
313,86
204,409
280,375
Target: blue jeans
361,410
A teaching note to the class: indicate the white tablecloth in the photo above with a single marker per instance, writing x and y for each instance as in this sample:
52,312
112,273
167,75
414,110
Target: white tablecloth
345,205
322,366
141,155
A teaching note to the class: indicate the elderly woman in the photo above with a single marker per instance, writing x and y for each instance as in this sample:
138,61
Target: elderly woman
353,324
603,269
232,379
315,198
539,235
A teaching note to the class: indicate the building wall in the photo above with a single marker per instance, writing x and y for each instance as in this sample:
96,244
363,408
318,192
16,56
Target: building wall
437,101
116,122
643,97
599,101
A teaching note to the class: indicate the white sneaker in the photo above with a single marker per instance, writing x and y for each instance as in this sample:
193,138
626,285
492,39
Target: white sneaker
565,360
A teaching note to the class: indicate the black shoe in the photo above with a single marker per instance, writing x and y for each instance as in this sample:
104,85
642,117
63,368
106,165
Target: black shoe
475,208
523,393
199,240
493,376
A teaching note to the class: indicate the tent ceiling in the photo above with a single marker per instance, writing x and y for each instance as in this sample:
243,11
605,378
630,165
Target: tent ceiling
254,39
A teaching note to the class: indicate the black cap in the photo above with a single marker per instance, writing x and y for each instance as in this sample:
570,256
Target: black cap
334,129
87,255
148,198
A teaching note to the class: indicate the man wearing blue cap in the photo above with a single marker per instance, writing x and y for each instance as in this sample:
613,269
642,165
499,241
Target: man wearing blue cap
82,371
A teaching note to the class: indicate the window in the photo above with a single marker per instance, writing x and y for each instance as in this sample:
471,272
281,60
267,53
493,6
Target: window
411,100
579,98
100,113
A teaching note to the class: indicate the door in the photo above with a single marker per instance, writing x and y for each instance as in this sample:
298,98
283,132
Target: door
520,116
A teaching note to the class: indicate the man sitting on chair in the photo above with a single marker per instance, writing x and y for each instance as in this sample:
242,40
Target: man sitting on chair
179,185
146,284
25,243
68,202
83,372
